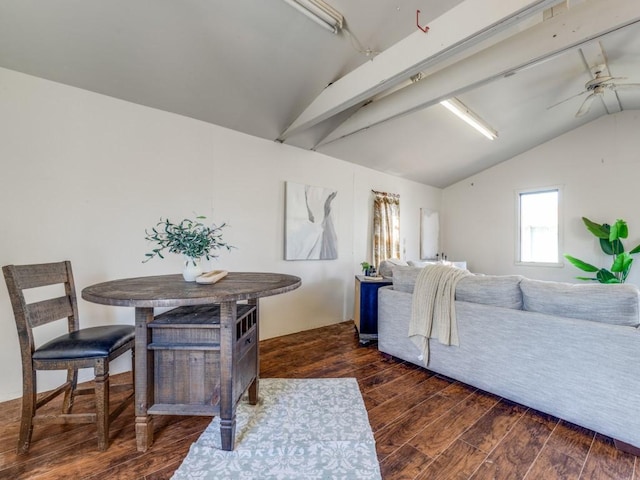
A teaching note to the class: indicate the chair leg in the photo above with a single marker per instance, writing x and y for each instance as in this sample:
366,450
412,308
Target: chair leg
102,402
29,399
72,380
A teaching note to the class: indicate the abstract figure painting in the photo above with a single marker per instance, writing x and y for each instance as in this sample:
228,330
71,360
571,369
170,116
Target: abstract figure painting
309,223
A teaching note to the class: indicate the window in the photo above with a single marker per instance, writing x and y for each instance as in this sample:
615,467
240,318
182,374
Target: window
538,226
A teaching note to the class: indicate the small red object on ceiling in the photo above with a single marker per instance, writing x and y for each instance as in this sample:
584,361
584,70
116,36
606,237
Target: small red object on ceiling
425,29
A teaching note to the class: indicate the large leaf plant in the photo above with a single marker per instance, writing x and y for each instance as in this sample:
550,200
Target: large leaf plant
609,237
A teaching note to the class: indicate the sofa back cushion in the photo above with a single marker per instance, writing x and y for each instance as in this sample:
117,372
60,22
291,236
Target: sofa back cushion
615,304
404,278
386,266
496,290
421,263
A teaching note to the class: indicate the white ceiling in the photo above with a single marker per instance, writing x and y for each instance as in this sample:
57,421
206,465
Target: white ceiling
259,66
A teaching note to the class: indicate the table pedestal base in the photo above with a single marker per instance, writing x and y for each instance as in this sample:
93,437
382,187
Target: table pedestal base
200,360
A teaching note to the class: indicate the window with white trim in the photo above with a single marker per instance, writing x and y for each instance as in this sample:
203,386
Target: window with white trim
539,226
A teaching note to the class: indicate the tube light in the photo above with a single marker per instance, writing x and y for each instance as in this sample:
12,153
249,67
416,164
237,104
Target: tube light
320,12
460,109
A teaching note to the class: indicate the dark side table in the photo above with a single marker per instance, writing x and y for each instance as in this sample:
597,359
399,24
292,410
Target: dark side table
365,315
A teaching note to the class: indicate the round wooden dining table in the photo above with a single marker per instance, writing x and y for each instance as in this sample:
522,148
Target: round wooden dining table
206,345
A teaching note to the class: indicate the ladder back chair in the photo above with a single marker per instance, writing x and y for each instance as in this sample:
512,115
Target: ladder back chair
92,347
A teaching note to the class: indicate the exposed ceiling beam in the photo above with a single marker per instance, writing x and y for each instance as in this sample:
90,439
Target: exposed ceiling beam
465,25
578,27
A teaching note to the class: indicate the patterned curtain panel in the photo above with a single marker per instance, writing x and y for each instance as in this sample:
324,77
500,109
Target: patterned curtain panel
386,227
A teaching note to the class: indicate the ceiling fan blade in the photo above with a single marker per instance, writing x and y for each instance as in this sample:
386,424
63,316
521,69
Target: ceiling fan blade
586,105
566,99
620,86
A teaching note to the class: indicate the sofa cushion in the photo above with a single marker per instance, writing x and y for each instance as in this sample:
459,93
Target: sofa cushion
615,304
496,290
386,266
421,263
404,278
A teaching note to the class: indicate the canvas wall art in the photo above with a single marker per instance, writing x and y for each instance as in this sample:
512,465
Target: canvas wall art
310,232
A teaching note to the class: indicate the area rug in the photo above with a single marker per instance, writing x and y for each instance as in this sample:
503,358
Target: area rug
300,429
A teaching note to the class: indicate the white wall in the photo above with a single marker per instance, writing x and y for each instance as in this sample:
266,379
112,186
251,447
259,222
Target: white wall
83,175
598,168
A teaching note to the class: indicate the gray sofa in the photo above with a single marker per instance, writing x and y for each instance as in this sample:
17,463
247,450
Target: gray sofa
570,350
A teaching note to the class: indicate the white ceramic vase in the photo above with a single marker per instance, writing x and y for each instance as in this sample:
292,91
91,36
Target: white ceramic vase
192,269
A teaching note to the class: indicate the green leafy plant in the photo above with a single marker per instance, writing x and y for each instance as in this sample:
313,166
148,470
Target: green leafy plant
189,237
365,267
609,236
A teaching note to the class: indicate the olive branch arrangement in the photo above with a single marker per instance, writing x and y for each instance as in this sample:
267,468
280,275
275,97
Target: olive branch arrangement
191,238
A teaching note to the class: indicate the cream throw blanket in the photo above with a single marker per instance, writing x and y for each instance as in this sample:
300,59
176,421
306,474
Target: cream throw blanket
433,313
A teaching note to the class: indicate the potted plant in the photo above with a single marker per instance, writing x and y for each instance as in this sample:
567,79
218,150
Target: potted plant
366,267
191,238
610,243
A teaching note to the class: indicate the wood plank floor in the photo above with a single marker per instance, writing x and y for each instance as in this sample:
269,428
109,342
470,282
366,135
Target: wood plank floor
426,426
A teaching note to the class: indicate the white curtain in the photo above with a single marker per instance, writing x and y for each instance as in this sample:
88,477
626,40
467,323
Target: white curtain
386,226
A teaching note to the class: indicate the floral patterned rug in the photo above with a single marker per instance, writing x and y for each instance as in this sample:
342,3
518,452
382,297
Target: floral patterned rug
300,429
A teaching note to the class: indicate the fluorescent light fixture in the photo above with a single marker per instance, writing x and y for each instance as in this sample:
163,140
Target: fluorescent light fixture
460,109
320,12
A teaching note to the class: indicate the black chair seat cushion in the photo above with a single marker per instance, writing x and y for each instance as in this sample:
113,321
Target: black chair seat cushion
86,342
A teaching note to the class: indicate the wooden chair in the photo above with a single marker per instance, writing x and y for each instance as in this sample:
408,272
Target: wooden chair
92,347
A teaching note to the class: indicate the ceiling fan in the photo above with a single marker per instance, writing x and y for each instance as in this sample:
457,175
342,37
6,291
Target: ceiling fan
597,88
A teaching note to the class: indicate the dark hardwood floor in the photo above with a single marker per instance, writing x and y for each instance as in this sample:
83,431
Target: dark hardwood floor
426,426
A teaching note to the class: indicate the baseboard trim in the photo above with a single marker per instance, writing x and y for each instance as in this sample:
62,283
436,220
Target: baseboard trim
626,447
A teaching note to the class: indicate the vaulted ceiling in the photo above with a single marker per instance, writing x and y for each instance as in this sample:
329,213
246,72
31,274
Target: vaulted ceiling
369,94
